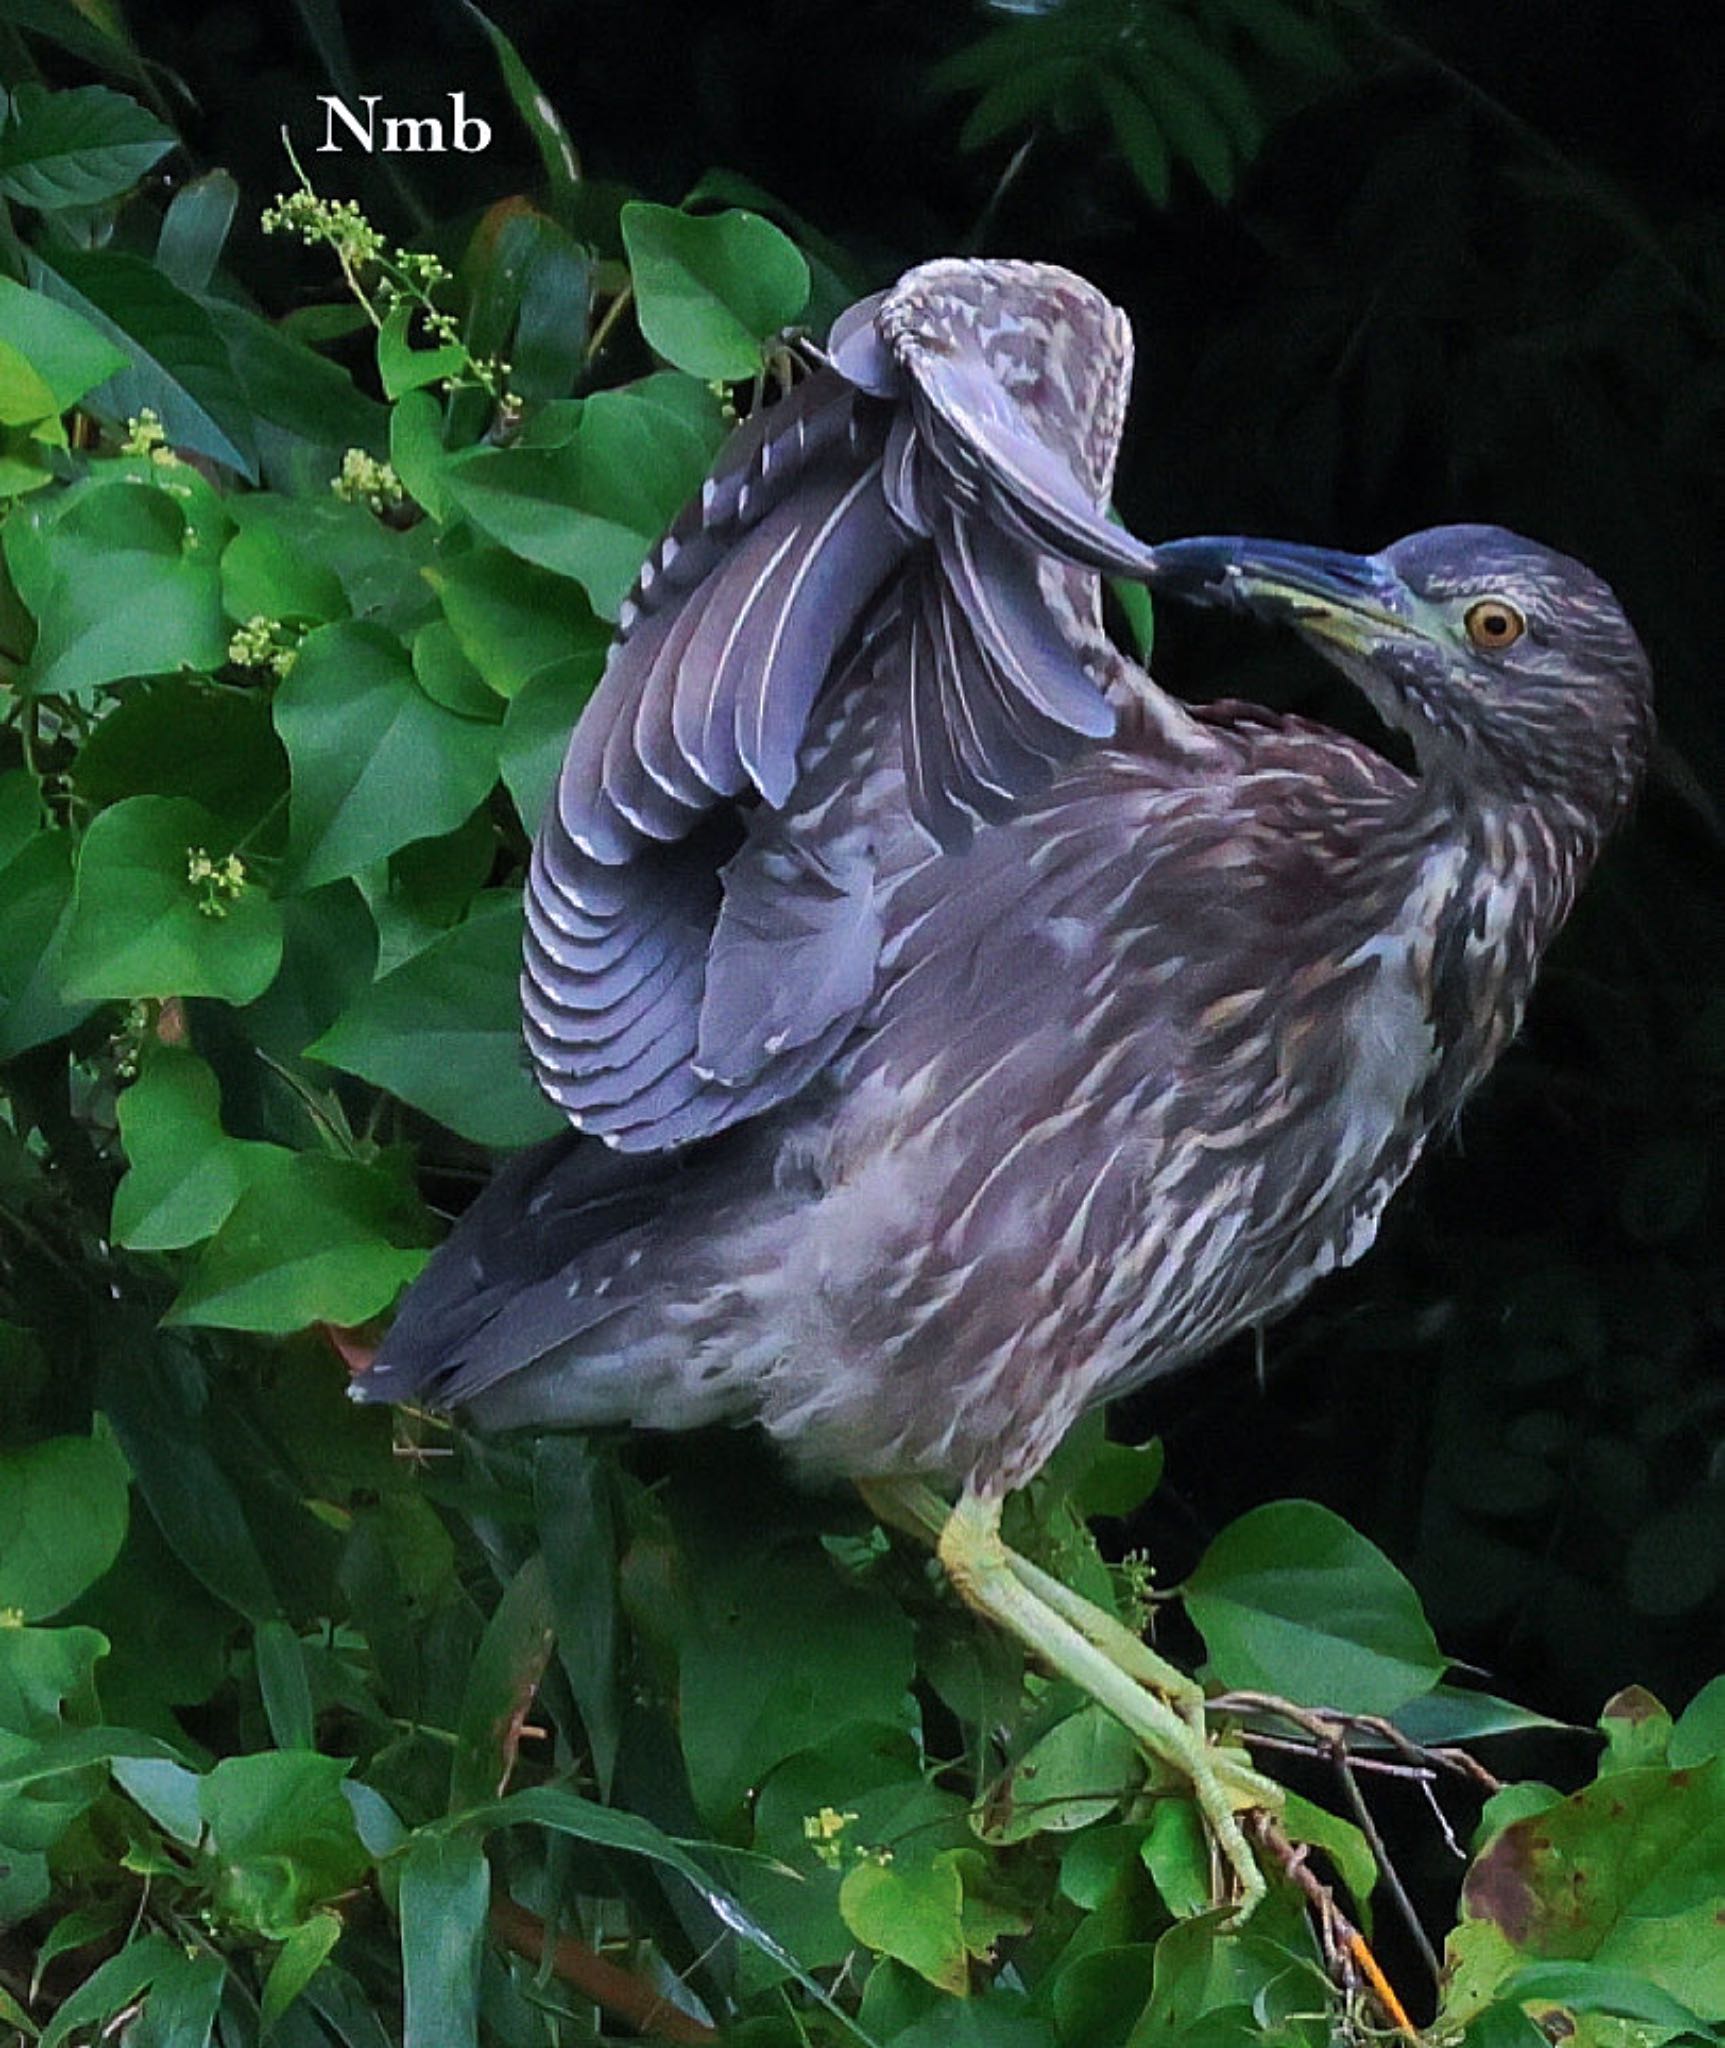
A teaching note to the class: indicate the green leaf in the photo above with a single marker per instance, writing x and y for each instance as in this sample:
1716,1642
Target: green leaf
1172,43
178,737
1637,1730
432,885
578,1527
1517,1801
1075,1774
444,1898
195,229
266,575
297,1962
281,1837
35,915
20,813
552,319
305,411
1453,1713
186,1173
538,116
1141,142
179,364
76,148
315,1240
401,367
381,569
329,953
994,2022
709,289
914,1914
157,1400
1232,1992
284,1685
112,1986
1134,601
1344,1844
1287,34
180,2011
26,399
43,1672
24,463
1195,134
536,730
71,1932
1290,1600
1120,1478
1098,1997
376,764
66,352
551,507
1095,1860
139,924
448,678
167,1792
515,621
63,1508
1176,1852
1590,1987
118,584
417,453
1623,1874
501,1684
443,1031
95,32
1016,99
1699,1735
592,505
781,1653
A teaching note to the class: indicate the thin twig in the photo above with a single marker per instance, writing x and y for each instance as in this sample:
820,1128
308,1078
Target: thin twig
1442,1818
1379,1766
1345,1948
614,312
1386,1864
1323,1724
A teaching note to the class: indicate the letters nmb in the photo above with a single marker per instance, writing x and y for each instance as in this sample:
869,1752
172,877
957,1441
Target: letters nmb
403,134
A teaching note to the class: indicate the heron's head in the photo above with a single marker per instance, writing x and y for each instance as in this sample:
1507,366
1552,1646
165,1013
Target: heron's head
1511,667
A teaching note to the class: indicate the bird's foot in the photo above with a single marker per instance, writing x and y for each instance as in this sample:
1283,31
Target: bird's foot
1157,1703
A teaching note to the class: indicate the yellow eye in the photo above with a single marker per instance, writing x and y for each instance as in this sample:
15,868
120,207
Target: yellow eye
1493,624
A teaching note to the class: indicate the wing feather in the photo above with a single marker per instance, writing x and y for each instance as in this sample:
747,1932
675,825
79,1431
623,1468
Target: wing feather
892,521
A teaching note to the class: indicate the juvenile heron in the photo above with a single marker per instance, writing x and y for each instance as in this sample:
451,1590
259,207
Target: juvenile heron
975,1031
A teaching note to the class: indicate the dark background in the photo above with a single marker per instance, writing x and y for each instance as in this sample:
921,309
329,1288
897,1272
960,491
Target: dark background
1476,271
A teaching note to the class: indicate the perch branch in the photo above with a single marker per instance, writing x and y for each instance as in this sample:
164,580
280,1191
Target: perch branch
613,1989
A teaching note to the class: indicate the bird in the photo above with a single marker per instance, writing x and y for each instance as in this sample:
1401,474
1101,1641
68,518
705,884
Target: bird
958,1030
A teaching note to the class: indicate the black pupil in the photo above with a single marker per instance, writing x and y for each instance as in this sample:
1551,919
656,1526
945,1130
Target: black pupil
1496,625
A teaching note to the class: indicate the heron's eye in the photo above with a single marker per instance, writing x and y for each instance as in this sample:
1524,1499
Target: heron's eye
1493,624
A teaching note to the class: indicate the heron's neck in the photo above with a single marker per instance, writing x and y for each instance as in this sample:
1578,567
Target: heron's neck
1500,891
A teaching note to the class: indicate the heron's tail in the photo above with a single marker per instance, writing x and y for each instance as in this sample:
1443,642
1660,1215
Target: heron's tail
523,1276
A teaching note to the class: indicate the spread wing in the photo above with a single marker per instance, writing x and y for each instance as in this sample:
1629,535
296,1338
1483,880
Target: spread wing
913,512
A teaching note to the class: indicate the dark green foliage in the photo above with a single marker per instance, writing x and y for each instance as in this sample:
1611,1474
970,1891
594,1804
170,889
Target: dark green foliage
293,1695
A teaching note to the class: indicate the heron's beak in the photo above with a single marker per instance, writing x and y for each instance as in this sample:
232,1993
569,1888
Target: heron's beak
1353,602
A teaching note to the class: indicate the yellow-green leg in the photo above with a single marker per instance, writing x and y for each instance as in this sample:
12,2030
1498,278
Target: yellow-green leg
1158,1704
